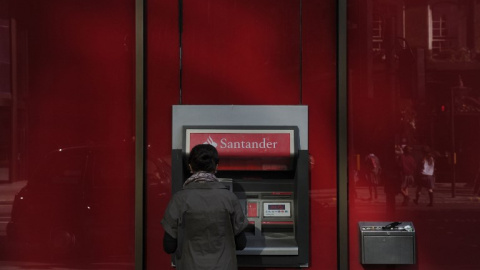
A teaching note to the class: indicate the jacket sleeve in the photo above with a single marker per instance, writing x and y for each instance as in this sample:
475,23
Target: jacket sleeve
171,217
240,241
239,221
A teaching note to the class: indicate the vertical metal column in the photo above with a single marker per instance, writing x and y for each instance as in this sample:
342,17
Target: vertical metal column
139,132
342,137
301,54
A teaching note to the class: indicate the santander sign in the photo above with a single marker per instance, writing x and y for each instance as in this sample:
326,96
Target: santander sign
245,146
224,143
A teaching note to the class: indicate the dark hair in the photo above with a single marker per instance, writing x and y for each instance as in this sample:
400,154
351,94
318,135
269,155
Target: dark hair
203,157
428,155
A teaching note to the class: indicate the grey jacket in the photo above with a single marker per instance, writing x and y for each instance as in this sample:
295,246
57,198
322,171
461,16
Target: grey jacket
204,217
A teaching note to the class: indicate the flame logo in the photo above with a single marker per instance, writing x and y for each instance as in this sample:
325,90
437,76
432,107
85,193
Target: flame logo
211,142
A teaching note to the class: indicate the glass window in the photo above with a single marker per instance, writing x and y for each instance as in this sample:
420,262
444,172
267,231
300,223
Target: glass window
5,60
412,122
66,86
65,169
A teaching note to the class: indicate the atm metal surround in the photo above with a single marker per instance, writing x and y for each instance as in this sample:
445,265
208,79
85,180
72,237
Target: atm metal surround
272,187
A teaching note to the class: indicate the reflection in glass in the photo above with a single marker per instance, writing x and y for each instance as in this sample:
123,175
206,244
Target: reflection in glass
66,129
421,96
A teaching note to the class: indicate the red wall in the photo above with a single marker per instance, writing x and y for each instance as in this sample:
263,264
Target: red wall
77,63
162,91
319,93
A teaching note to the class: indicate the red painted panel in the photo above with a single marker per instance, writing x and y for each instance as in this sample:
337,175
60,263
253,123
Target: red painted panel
241,52
162,91
319,93
75,66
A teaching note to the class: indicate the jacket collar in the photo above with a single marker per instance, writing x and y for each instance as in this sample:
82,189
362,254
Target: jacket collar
205,185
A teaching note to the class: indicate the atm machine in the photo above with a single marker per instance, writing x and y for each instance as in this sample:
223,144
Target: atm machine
264,161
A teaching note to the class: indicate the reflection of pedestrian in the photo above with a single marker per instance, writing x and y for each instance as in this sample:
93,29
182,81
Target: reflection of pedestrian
204,221
476,183
407,170
372,173
356,178
427,176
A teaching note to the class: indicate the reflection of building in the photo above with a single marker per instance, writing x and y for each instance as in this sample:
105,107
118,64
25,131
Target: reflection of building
450,55
416,53
5,100
11,113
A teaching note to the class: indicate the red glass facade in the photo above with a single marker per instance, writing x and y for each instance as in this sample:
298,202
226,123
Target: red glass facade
67,112
411,84
246,53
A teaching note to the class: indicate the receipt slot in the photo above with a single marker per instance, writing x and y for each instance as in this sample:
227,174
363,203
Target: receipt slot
387,242
265,166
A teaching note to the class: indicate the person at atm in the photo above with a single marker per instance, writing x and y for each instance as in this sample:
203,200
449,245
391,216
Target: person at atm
204,221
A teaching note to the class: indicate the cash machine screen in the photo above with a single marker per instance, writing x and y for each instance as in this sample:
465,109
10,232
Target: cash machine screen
276,210
276,207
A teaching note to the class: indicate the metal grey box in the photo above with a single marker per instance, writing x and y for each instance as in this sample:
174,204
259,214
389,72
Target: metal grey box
385,243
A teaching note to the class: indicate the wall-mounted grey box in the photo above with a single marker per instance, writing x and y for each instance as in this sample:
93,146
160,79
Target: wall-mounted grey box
387,242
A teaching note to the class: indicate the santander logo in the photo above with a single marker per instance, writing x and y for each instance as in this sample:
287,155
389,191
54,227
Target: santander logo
211,142
257,144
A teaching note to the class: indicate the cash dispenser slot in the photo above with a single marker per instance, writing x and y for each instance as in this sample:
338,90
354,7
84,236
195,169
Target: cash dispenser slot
280,228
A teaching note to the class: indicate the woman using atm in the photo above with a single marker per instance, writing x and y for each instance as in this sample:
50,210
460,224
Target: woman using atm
204,221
